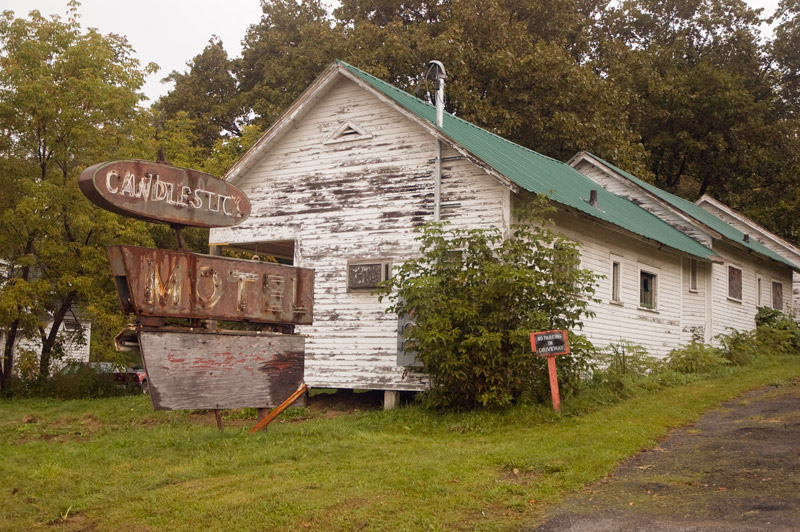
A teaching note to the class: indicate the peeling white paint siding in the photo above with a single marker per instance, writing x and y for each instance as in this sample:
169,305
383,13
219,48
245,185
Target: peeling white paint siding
356,200
693,315
659,330
624,188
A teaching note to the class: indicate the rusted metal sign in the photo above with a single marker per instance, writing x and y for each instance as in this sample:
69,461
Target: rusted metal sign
163,193
175,284
220,369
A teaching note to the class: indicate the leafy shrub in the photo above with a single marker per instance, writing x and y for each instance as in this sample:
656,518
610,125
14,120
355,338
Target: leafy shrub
84,382
739,347
777,332
621,365
626,359
475,296
696,358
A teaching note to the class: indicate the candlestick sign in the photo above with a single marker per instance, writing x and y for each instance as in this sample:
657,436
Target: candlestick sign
196,367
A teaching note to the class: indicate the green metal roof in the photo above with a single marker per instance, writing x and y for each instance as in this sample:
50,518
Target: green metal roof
539,174
701,215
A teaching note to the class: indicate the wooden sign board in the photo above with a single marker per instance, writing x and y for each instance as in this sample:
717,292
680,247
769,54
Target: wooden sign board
188,370
180,284
162,193
549,343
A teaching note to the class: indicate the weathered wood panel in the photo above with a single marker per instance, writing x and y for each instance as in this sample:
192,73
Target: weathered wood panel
215,369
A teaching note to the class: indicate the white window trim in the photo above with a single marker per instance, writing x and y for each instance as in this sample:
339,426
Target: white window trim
696,264
728,296
759,290
643,268
618,260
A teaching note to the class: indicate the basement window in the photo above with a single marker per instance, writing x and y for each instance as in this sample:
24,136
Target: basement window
648,284
734,283
366,275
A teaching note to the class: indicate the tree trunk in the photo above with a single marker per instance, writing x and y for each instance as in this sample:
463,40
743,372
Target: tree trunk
50,340
8,355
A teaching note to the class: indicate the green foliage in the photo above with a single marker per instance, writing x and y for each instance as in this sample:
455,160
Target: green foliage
84,382
68,99
739,347
696,358
775,334
777,331
626,359
475,296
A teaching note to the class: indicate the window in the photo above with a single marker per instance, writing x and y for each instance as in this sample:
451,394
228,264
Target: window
693,275
777,295
616,275
735,283
647,290
759,292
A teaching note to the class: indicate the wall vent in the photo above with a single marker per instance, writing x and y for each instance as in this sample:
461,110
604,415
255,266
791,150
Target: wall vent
347,132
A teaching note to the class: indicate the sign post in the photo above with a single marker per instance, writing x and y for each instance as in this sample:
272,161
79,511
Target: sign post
549,344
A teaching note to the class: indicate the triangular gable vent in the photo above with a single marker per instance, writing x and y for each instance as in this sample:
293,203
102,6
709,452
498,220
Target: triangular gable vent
346,132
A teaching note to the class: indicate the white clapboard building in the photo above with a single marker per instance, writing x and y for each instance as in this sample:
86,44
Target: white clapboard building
341,180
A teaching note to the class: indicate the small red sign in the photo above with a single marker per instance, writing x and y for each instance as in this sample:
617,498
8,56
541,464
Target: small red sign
550,343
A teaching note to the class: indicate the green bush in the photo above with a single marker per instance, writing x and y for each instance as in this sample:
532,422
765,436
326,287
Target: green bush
626,359
777,332
474,297
739,347
696,358
83,382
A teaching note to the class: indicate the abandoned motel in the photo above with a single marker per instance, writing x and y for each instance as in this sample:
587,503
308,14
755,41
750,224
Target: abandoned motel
341,180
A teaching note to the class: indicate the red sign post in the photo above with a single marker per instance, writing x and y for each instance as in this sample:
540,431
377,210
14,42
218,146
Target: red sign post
549,344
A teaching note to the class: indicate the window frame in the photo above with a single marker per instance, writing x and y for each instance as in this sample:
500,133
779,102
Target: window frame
615,287
759,291
782,302
653,275
693,267
741,283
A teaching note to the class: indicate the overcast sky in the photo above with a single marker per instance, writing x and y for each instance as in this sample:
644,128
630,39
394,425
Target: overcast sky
171,32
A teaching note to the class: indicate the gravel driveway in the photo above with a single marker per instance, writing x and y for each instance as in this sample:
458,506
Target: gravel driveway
736,469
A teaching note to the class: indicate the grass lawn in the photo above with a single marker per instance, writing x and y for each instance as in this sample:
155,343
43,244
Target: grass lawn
115,464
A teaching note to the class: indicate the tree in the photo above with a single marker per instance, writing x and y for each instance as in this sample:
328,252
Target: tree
68,99
208,94
475,297
291,45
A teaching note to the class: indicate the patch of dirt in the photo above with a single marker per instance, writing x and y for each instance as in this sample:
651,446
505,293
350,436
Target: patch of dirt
345,402
738,468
